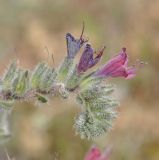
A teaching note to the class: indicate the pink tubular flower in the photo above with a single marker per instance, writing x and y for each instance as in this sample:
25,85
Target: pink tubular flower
87,61
117,67
95,154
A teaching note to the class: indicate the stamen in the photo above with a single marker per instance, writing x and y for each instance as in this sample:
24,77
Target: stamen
82,30
140,64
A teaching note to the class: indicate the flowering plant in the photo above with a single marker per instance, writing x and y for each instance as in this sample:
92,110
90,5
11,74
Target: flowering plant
91,91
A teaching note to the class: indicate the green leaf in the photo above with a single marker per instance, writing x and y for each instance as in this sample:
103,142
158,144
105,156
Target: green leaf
41,98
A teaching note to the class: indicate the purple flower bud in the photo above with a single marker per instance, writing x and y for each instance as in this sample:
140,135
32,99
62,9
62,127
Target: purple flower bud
87,61
117,67
74,45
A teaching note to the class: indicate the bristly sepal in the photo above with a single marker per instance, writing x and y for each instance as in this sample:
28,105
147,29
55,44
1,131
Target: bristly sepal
20,83
9,76
74,79
64,69
42,77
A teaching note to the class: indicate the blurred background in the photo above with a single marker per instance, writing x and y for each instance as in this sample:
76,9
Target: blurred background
27,27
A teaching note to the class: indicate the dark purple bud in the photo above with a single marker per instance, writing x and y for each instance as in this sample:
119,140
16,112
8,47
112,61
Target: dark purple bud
87,61
117,67
74,45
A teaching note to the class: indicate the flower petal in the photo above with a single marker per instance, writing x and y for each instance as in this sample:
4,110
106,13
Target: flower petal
74,45
114,64
97,58
131,72
87,61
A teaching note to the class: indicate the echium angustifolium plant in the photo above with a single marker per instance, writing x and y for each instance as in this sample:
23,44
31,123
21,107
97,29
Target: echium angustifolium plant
90,88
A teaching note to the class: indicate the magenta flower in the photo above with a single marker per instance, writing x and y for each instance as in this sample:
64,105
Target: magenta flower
95,154
87,61
117,67
74,45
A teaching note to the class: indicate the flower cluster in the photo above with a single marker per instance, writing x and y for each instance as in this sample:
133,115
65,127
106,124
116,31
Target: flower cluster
90,89
116,67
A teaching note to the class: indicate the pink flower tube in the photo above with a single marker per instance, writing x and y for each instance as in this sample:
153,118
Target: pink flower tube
117,67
